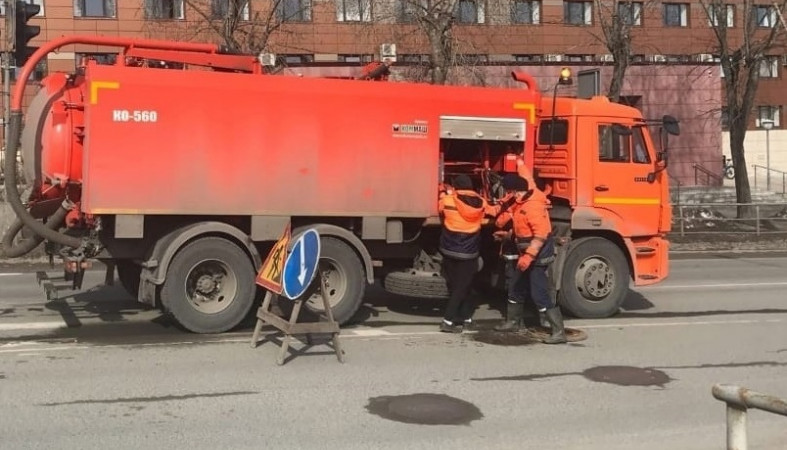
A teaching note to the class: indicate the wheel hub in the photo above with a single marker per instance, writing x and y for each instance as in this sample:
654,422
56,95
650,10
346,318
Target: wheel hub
335,285
595,279
211,286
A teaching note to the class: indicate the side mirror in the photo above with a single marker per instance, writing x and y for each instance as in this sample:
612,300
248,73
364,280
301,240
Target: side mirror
671,125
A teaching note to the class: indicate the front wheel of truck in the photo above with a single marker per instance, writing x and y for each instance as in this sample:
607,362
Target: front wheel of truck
209,286
595,279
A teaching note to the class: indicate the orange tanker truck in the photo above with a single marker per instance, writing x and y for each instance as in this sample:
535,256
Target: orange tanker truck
184,179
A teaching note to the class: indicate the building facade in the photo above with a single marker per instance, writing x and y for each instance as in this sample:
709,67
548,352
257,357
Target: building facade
675,69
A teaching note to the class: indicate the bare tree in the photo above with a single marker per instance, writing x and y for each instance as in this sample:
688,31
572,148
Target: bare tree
743,54
234,23
616,19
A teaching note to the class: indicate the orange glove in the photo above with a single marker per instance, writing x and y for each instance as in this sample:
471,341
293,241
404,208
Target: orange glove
524,262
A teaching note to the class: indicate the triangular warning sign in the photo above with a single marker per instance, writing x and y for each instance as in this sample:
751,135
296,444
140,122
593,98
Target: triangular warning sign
270,274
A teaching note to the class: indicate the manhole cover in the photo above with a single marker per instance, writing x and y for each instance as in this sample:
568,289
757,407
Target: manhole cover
504,338
424,409
627,376
572,334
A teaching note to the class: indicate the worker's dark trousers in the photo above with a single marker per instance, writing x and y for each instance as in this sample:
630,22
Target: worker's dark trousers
459,274
532,283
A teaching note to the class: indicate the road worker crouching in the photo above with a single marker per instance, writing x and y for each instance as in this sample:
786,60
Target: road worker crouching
532,235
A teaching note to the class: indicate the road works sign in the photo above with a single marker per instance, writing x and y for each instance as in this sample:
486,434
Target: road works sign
301,264
270,275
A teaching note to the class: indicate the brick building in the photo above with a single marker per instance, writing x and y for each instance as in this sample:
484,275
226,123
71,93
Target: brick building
675,70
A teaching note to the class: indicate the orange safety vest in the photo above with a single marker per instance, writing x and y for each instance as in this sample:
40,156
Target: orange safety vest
532,226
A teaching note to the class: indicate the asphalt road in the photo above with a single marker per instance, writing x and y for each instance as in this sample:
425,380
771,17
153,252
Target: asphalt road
97,371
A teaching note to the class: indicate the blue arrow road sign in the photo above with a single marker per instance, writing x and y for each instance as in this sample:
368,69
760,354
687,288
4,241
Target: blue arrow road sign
301,264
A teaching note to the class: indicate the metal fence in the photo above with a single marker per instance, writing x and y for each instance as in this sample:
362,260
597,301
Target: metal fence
768,218
738,401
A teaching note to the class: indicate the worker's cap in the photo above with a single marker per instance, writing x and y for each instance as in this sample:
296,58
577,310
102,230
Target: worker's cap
462,182
513,182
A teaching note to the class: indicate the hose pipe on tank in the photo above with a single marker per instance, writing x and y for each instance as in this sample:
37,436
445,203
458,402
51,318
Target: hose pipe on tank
21,249
14,197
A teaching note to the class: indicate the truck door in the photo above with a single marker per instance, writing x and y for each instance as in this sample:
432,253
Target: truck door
620,178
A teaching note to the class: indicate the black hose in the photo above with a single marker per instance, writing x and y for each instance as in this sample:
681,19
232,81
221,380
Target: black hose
28,245
14,198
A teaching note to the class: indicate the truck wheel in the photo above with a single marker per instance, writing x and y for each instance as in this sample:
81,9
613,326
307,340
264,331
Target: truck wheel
345,282
595,279
209,286
417,284
128,274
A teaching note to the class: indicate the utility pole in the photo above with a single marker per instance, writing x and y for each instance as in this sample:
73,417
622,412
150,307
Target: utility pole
10,32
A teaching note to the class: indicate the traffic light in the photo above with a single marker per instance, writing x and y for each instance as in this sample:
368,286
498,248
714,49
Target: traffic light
25,32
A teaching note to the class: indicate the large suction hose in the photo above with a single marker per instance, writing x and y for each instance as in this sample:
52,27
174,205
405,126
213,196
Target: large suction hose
14,198
27,246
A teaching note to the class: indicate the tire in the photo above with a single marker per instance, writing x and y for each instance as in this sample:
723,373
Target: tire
128,274
225,275
595,279
416,283
345,280
729,172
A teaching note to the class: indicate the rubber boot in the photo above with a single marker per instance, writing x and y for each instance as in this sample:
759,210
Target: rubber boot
555,319
542,319
514,314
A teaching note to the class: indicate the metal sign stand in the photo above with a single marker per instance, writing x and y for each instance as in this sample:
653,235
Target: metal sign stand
291,327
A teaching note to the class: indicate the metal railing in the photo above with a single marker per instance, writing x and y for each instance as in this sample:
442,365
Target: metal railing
738,401
709,175
693,218
779,176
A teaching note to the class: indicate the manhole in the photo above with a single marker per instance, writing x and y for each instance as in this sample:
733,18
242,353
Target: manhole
424,409
572,334
627,376
504,338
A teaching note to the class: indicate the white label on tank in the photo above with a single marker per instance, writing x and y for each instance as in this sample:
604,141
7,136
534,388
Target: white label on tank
124,115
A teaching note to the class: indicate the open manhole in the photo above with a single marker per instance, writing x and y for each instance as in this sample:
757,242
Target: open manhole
424,409
627,376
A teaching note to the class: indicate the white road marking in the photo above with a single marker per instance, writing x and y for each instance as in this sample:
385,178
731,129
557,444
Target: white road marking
711,286
32,326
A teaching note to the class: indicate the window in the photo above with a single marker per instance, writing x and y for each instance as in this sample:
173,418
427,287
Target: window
769,67
613,146
220,9
164,9
526,11
415,59
765,16
630,13
353,10
355,58
640,150
676,14
407,11
100,58
553,132
527,58
32,2
296,59
95,8
578,13
721,14
470,11
38,74
295,10
772,113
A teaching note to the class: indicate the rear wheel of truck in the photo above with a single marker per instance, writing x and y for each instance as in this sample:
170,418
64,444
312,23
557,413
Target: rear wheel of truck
595,279
128,274
345,282
209,286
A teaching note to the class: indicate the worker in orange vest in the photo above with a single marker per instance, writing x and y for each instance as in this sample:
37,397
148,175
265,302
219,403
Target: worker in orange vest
462,212
532,234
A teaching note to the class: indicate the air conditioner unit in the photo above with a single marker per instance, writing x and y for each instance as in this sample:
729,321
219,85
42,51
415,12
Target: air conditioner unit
606,58
268,59
388,52
553,58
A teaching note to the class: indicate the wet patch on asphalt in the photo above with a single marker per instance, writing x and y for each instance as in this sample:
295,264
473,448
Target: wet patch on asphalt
424,409
627,376
163,398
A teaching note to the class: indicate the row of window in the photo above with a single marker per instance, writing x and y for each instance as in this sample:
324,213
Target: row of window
575,12
765,114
